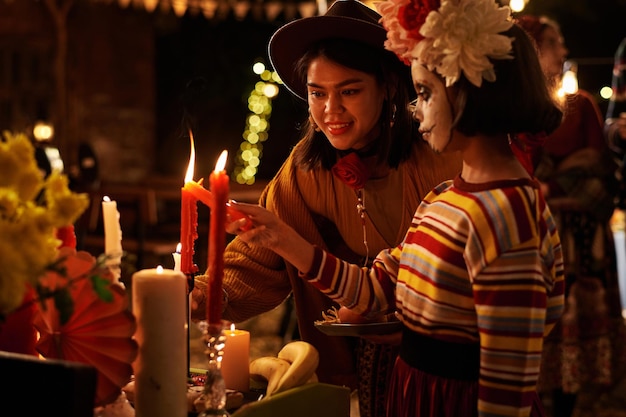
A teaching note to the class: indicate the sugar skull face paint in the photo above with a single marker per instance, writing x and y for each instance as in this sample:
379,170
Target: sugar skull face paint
432,108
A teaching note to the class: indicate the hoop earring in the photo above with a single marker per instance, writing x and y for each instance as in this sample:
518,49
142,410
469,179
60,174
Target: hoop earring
313,124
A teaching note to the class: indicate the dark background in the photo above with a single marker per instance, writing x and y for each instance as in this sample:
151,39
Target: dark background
204,72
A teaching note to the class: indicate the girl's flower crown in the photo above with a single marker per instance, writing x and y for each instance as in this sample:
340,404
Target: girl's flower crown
448,36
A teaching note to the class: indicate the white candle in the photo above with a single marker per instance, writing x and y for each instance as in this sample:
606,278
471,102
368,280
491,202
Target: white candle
236,359
112,234
176,256
160,369
177,262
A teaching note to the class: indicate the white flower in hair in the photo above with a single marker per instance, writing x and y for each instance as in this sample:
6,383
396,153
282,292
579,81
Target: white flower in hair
458,37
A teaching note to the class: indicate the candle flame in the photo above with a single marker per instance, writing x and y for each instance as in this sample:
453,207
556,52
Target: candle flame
159,269
192,160
221,161
232,327
179,247
106,198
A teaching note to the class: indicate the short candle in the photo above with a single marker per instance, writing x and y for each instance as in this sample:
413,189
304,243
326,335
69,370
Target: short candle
236,359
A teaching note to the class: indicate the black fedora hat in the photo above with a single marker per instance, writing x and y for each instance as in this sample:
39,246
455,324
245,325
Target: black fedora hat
348,19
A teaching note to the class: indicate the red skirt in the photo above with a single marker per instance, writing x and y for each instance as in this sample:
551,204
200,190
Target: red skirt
432,378
414,393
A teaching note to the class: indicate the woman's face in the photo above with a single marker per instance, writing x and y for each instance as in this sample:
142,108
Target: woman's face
552,52
432,108
345,104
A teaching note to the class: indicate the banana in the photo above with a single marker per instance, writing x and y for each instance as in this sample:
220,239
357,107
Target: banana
303,358
270,369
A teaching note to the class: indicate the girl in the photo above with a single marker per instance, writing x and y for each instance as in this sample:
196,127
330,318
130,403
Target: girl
478,279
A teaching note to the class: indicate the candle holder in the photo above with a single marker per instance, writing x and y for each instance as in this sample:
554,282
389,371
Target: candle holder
214,392
191,279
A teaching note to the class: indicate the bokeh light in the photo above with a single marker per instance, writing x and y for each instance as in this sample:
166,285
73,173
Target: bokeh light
250,151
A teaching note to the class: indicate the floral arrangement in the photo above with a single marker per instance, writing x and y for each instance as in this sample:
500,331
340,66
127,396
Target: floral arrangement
449,37
32,210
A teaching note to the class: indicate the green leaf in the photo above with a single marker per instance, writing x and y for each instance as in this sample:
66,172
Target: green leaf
102,287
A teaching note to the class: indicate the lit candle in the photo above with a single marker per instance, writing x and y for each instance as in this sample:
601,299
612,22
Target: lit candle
202,194
158,303
217,242
236,359
176,257
112,235
188,219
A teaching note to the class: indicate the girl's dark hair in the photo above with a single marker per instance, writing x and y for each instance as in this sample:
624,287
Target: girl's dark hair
397,128
519,101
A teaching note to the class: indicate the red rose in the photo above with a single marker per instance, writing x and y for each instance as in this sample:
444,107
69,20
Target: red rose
413,15
351,171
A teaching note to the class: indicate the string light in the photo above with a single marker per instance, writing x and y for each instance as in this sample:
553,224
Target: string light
250,151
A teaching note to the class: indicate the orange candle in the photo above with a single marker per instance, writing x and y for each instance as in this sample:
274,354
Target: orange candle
236,359
218,181
202,194
188,220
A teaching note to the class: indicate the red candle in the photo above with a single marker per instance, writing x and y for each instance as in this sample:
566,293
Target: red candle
188,219
218,181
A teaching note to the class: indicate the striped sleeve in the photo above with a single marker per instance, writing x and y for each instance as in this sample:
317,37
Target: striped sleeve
368,291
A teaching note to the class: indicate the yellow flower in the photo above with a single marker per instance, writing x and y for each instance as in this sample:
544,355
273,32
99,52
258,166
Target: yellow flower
31,209
64,205
18,167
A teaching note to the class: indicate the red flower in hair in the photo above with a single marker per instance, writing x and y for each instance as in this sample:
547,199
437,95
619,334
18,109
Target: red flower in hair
413,15
351,171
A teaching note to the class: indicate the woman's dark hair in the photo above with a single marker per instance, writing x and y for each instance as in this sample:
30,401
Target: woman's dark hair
397,128
519,101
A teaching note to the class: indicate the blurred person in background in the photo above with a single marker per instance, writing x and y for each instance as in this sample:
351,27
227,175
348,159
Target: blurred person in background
577,177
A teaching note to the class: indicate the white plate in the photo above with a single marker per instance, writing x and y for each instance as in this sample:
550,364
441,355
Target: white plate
359,329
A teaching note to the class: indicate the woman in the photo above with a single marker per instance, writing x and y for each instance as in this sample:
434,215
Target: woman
477,281
350,185
577,176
